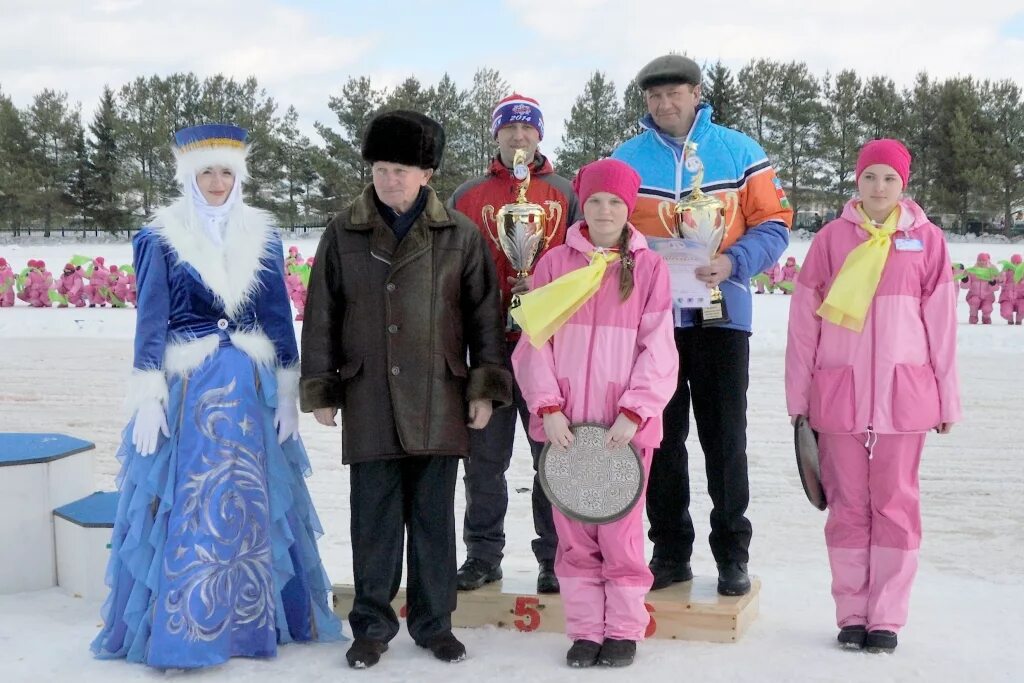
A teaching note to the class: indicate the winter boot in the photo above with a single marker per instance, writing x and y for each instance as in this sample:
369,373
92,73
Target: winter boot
446,647
582,654
880,641
617,652
547,582
475,573
364,653
852,637
667,571
733,578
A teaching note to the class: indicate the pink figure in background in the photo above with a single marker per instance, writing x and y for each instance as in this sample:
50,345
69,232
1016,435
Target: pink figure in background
7,284
787,281
71,286
294,258
99,283
37,285
118,287
132,293
1011,293
772,276
981,289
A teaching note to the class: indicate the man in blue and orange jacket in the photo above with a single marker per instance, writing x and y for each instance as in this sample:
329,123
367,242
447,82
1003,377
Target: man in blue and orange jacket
713,359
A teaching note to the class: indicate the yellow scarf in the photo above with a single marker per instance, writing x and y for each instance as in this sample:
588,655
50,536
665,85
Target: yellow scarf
851,293
544,310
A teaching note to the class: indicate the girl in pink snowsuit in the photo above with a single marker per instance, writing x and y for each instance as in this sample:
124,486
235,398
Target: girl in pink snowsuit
981,282
38,283
787,281
768,279
99,283
7,284
871,362
71,287
613,362
1010,292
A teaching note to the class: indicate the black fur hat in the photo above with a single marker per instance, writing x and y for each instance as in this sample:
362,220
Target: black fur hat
404,137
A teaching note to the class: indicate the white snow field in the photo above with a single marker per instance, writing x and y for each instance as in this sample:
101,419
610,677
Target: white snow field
63,371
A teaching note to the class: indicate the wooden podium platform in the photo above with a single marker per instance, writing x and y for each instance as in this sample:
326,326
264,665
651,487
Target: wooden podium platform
686,611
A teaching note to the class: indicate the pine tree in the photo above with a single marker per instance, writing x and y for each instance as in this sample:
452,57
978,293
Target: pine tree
294,159
104,183
1005,109
634,108
794,140
448,106
881,109
593,128
340,164
488,89
719,91
842,132
53,128
756,85
18,175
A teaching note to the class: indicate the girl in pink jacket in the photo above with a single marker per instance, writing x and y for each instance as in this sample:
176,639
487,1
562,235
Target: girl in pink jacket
1011,290
871,361
7,284
787,280
614,361
981,281
71,287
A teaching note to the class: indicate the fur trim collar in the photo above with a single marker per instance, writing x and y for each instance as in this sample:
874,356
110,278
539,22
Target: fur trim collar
230,270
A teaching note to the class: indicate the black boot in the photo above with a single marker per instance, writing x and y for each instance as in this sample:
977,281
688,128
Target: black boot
475,573
880,641
365,653
446,647
617,652
547,582
582,654
852,637
668,571
733,578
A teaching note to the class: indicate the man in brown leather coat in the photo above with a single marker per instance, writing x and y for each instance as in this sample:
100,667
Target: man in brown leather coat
402,291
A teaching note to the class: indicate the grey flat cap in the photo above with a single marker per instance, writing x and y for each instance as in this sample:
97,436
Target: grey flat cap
668,69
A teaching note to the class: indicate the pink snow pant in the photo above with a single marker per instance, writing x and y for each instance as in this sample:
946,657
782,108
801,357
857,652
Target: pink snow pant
985,304
873,530
7,298
603,574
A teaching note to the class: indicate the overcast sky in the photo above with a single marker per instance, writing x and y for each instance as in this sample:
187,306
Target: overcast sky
303,51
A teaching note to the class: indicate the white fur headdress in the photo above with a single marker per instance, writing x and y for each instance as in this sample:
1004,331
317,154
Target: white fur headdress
211,144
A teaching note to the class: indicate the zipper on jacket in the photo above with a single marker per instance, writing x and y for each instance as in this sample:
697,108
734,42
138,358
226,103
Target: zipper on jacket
590,349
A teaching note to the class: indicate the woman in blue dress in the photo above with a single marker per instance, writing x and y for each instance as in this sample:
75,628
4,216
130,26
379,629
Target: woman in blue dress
214,549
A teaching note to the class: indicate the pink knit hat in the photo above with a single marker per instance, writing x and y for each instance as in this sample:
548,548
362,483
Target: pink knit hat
1015,259
607,175
886,151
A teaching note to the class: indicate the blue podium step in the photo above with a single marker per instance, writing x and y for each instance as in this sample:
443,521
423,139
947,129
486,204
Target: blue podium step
24,448
96,510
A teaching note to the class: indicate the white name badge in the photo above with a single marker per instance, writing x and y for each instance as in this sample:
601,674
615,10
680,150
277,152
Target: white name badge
908,244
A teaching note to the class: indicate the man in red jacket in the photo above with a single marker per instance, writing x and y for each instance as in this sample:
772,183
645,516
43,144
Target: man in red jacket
517,124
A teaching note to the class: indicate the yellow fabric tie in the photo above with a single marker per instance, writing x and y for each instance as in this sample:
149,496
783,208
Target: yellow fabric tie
854,288
544,310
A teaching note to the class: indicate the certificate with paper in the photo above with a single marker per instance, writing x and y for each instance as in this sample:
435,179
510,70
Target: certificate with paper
683,257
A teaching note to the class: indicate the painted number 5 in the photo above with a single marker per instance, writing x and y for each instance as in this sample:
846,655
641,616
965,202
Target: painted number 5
527,607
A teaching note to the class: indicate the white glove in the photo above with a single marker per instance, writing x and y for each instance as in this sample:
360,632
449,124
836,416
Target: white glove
150,422
286,419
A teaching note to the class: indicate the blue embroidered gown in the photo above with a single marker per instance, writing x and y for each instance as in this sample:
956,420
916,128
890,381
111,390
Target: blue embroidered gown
214,549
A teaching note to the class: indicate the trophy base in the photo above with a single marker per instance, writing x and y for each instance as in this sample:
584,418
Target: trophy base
714,315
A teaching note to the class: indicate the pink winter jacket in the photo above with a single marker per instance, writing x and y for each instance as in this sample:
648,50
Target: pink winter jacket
1008,289
899,374
611,354
979,288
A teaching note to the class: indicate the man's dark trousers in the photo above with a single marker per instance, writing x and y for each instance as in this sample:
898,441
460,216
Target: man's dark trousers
714,370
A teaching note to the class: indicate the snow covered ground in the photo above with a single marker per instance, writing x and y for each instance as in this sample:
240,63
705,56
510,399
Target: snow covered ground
62,370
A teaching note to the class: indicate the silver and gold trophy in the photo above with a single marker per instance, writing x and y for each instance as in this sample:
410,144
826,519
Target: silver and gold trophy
522,229
704,219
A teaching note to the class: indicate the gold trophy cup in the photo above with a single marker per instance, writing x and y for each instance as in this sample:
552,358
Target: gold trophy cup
705,219
522,229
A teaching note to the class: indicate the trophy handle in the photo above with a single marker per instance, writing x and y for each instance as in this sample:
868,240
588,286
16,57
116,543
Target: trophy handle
554,214
667,214
488,213
730,210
